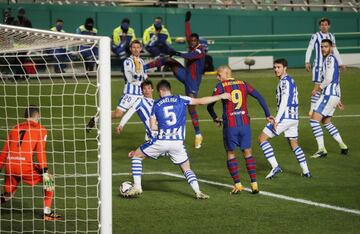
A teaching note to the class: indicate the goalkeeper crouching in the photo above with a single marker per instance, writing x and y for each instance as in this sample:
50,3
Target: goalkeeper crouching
23,141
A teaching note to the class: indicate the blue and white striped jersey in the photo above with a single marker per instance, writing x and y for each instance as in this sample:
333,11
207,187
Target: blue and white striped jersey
330,77
133,78
287,99
315,43
143,107
170,113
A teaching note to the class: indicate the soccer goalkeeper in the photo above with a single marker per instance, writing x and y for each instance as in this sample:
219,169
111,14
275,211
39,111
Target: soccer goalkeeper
22,142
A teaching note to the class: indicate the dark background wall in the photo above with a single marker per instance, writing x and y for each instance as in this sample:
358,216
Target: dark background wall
208,23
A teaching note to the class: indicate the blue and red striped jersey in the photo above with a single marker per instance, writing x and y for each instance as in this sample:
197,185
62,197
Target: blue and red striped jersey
235,112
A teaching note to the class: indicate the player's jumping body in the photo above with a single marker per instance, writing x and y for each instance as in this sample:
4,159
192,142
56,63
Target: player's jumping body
328,101
169,113
286,121
23,141
315,43
236,130
191,74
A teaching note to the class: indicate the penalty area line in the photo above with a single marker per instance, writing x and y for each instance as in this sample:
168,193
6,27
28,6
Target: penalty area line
264,193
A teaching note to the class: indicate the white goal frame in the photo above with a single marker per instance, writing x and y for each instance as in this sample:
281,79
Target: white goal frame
104,109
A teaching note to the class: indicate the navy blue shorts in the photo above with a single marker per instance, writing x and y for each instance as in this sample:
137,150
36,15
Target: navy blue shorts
237,137
191,86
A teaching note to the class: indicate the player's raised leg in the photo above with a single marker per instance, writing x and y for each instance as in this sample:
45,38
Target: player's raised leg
195,122
268,150
300,156
334,132
192,180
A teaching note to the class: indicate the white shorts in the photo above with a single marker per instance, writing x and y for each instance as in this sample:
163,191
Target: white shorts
174,149
127,101
316,74
287,126
326,105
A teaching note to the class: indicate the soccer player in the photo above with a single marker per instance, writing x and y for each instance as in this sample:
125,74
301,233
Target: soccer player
86,51
286,121
135,72
328,101
315,43
23,141
122,36
236,130
156,39
191,74
169,113
142,107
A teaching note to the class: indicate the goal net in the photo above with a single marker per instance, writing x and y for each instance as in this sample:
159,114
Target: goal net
68,77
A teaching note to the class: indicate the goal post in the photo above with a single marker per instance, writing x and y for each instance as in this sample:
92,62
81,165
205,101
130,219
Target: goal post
68,76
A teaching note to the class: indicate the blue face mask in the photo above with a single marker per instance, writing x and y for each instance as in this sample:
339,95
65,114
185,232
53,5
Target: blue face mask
59,27
125,27
157,25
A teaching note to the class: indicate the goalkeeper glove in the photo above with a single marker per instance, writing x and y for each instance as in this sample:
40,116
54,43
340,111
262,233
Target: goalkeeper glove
48,182
188,16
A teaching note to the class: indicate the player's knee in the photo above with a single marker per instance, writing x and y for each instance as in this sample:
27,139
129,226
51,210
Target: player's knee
262,137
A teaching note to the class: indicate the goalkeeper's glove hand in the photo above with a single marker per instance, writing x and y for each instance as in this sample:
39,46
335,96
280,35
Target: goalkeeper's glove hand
188,16
48,182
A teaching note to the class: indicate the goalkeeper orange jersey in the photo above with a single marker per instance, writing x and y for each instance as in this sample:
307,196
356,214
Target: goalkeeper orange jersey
24,140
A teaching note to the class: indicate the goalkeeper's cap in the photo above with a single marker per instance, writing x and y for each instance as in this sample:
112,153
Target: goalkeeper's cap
21,11
30,111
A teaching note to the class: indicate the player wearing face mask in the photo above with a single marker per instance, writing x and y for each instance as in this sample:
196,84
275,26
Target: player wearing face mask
21,19
122,36
86,51
156,39
60,56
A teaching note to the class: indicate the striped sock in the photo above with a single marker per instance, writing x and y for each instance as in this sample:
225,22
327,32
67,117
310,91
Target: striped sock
195,121
318,133
136,169
233,167
251,168
191,179
334,132
300,156
314,100
269,153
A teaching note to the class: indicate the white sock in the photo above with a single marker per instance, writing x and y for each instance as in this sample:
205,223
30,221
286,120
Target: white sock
47,210
136,169
191,179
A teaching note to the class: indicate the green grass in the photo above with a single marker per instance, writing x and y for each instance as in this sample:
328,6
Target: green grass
168,205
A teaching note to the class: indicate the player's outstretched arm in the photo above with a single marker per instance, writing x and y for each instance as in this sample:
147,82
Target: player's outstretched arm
210,99
261,101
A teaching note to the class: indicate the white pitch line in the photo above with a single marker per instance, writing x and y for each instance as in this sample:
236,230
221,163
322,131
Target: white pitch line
269,194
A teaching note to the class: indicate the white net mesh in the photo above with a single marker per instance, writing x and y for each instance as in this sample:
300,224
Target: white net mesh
59,74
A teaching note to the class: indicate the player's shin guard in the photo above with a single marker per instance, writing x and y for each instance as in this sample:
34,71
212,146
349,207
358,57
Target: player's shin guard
318,133
195,121
334,132
136,169
191,179
233,167
314,100
300,156
251,168
269,153
48,198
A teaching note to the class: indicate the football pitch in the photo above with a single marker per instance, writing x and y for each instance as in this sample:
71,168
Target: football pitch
329,202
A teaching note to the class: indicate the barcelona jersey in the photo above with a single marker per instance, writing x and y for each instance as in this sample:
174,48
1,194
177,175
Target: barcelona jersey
235,112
